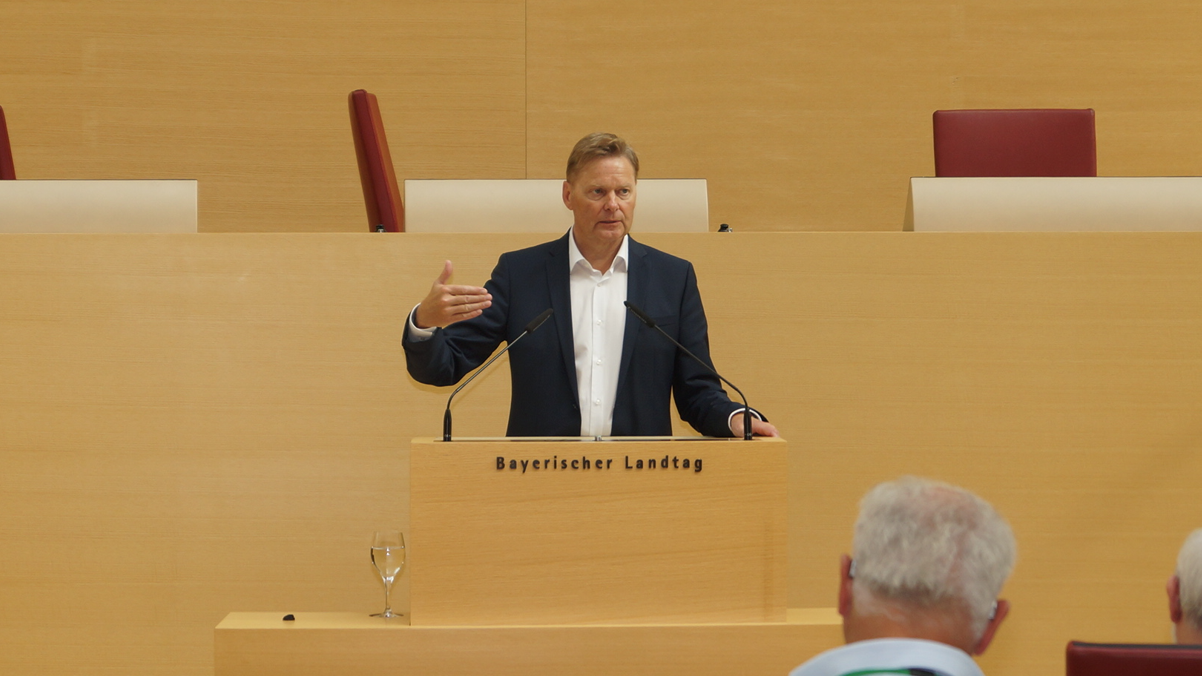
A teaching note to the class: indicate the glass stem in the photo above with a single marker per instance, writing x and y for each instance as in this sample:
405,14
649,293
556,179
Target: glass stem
387,603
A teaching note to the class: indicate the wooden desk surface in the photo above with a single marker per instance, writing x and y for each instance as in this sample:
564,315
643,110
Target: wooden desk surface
274,620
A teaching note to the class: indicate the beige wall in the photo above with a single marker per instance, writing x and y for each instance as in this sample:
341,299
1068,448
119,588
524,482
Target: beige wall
193,425
217,422
802,115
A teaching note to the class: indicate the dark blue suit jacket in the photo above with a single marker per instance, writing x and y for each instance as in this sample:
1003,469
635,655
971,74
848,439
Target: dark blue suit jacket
544,400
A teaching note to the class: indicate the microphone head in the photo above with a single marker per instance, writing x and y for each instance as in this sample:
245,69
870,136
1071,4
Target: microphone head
538,321
639,313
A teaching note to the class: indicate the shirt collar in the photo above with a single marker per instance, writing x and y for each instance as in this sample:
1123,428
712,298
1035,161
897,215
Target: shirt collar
575,258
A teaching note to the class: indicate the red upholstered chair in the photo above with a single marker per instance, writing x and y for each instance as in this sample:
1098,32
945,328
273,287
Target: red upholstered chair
1015,143
6,151
380,191
1132,659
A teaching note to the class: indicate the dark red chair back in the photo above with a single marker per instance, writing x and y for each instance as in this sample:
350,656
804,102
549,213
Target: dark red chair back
1047,142
376,172
1132,659
6,151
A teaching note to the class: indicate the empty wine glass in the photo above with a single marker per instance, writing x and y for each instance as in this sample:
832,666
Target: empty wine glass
388,556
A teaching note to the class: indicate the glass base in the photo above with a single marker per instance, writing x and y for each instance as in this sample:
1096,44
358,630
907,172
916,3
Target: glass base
387,613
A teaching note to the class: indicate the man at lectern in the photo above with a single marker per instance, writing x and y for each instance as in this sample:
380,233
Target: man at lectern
592,370
1185,592
920,594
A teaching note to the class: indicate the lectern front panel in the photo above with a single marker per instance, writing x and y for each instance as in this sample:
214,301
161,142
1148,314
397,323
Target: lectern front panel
516,532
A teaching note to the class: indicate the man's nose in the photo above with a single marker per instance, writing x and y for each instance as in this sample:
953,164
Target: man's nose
611,200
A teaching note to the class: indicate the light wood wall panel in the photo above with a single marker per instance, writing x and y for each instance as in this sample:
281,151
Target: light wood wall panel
802,115
251,97
189,426
1056,375
217,422
812,115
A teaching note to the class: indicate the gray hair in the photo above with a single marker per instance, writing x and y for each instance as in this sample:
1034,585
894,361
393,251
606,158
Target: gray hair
1189,572
924,543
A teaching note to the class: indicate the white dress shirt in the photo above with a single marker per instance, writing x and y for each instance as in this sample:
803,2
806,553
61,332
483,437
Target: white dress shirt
891,653
598,326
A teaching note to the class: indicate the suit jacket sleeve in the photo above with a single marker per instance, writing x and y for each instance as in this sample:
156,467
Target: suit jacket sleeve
700,399
454,351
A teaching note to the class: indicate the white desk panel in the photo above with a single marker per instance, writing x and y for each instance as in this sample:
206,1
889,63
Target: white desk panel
88,206
536,205
1055,204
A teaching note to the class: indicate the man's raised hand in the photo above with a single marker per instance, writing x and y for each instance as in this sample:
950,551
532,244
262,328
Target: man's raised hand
449,303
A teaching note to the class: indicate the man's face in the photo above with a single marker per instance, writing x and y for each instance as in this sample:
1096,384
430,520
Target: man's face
601,198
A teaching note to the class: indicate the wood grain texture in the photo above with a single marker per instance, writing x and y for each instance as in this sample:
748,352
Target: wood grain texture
189,425
511,532
802,115
325,644
1057,375
222,420
812,116
251,98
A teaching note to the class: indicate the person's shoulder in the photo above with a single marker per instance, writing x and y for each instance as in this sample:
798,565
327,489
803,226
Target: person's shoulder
658,256
890,653
538,251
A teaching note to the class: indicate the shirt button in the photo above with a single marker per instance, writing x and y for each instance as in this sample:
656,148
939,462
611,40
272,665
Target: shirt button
596,402
598,361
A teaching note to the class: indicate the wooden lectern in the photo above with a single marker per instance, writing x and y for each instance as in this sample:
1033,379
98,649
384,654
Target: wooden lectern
578,531
552,556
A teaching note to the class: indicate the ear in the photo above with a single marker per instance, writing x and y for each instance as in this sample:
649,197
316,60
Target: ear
1003,609
845,582
567,194
1173,587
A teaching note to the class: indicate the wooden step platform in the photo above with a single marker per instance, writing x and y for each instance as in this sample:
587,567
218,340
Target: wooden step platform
321,644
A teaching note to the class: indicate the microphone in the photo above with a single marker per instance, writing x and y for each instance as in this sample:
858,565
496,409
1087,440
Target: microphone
643,317
530,328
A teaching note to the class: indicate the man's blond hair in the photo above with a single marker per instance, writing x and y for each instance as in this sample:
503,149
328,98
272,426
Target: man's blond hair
596,146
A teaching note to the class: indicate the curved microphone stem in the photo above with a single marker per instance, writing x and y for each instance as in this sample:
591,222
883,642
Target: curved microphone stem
646,319
530,328
446,416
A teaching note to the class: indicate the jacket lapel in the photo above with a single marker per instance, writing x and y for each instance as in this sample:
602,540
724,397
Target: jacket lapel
636,293
561,301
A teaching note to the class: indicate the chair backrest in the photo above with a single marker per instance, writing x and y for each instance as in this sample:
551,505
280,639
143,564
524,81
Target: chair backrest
1132,659
376,173
6,151
1041,142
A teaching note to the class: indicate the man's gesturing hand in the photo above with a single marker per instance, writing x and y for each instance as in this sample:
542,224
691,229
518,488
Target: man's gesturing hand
448,303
